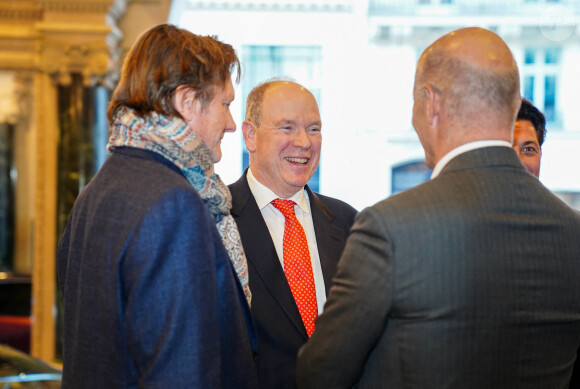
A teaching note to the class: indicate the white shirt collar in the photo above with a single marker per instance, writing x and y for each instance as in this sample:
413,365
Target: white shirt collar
264,195
463,149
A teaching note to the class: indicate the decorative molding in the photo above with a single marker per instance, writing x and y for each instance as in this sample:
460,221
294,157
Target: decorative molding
92,62
51,37
78,6
20,13
36,10
79,29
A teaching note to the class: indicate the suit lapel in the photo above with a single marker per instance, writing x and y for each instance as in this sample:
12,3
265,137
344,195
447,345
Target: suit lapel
327,235
260,250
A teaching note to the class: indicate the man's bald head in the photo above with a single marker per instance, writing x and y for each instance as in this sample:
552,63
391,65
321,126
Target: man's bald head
476,75
256,96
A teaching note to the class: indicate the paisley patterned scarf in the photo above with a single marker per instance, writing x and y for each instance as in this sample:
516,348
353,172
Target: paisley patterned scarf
172,138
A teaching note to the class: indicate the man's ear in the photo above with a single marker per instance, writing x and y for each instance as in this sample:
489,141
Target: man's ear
185,102
249,131
432,104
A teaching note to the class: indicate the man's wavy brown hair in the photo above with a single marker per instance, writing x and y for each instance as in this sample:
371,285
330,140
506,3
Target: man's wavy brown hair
165,58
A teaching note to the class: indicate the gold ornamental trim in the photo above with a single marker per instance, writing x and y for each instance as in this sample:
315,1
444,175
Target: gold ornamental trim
65,6
20,11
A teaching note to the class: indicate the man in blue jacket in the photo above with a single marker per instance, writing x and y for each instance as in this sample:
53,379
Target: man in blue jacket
152,272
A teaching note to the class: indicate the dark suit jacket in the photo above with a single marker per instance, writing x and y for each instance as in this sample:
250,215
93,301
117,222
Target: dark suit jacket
280,328
575,380
151,299
470,280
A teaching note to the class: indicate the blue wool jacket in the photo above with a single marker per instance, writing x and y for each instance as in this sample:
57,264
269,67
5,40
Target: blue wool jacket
151,299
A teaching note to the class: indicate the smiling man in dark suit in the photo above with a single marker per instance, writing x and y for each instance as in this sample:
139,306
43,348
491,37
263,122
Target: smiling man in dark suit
282,132
469,280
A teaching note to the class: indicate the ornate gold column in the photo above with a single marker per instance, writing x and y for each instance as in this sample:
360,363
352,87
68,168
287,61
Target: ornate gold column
45,127
45,45
42,43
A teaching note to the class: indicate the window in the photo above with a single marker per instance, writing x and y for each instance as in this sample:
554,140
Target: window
552,55
540,79
408,175
301,63
550,96
529,56
528,92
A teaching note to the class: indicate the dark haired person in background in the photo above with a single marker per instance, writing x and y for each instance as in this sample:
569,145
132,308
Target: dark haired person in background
529,134
151,267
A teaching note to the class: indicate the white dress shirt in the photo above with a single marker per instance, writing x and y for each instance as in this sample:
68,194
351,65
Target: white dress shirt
275,222
463,149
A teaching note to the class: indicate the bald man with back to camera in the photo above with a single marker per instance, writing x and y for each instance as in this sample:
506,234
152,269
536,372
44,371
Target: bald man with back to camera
469,280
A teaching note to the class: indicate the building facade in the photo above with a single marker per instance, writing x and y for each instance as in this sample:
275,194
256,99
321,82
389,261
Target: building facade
359,59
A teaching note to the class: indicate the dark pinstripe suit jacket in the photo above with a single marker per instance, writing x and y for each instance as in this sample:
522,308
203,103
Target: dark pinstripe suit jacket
280,328
470,280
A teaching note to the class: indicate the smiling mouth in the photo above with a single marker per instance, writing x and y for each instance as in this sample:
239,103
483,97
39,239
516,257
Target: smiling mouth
301,161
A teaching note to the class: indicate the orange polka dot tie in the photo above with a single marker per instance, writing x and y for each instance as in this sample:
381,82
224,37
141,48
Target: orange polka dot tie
297,264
